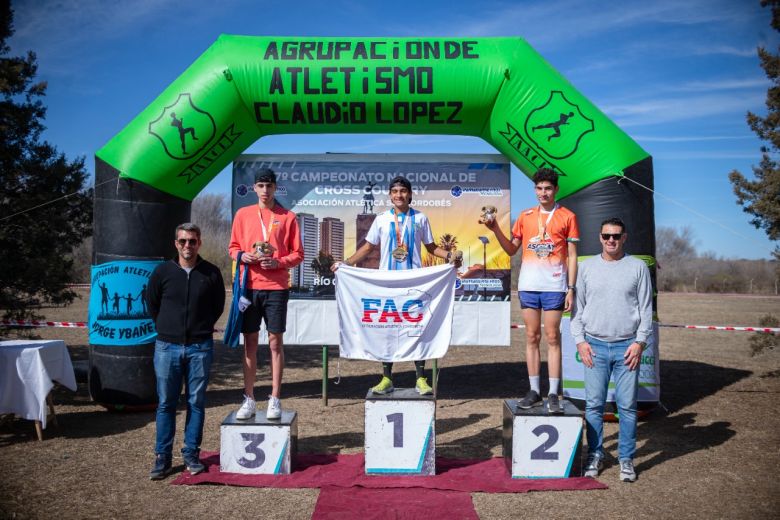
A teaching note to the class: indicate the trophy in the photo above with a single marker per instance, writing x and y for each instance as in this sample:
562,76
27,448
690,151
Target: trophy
263,248
488,214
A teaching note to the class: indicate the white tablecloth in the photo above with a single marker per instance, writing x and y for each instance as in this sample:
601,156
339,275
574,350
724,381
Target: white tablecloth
28,370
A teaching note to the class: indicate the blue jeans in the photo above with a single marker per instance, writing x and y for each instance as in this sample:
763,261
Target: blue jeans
608,360
174,364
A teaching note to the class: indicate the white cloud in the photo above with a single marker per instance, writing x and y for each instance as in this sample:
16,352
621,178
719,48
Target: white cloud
721,84
706,154
556,24
671,109
728,50
63,22
385,143
66,35
690,138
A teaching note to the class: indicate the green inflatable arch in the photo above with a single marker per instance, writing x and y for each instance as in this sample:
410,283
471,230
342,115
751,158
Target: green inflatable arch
243,88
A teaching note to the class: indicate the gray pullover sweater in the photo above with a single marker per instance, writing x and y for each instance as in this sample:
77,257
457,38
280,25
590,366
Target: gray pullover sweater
614,300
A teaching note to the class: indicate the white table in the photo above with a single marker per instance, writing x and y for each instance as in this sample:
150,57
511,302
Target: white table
28,370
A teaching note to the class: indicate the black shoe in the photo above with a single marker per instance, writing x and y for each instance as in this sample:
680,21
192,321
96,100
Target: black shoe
530,400
193,463
553,404
161,468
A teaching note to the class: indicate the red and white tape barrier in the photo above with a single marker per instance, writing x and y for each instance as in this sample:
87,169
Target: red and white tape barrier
717,327
83,325
774,330
36,323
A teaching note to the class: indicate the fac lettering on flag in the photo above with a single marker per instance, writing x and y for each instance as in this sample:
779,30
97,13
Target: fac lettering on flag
403,315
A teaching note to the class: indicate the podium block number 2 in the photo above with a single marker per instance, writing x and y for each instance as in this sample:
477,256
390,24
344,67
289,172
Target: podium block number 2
253,448
542,452
545,446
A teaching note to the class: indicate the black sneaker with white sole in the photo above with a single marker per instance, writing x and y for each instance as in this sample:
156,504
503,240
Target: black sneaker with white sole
193,464
531,399
554,405
161,467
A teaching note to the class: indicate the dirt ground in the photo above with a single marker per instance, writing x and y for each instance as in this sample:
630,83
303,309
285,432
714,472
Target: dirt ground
710,450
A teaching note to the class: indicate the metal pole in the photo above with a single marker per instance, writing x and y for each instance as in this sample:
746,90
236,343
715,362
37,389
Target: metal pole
435,376
325,375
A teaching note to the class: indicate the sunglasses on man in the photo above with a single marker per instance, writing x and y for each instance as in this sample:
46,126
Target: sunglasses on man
185,241
613,236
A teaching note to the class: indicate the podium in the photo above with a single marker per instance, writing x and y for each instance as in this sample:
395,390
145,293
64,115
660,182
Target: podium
400,433
537,444
258,445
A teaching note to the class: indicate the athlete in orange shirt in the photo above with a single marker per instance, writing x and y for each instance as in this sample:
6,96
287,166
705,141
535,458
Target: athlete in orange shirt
548,235
269,240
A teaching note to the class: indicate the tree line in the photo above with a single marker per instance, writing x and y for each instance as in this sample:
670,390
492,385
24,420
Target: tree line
683,269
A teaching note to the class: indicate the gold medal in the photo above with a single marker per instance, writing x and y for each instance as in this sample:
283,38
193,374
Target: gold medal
399,253
264,247
402,251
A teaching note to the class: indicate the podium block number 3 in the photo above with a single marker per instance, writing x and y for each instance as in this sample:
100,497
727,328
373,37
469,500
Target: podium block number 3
542,452
397,420
253,448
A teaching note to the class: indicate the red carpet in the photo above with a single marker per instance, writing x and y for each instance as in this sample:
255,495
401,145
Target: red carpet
346,471
336,503
347,492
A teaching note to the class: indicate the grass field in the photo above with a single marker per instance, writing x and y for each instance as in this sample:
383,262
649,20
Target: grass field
711,450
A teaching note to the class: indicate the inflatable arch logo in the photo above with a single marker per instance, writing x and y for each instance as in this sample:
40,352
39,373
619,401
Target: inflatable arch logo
179,134
243,88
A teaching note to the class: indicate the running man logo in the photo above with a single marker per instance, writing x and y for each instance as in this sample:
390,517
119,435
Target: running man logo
558,126
183,129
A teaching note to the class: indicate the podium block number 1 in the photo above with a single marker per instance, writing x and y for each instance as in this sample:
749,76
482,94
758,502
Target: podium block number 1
397,420
400,437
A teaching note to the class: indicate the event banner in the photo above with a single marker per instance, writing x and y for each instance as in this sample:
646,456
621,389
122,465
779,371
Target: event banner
574,380
403,315
337,197
117,309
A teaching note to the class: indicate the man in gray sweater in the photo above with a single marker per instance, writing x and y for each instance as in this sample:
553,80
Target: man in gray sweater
611,324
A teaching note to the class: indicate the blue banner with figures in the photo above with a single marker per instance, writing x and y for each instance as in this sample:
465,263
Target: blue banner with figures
118,314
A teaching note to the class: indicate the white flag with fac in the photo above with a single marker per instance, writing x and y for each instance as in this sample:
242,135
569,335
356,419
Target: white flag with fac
403,315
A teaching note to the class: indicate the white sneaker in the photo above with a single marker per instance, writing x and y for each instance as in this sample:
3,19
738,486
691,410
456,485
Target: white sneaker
274,408
594,465
627,472
247,409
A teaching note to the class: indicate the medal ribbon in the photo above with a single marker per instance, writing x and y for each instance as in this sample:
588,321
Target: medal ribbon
266,232
400,234
543,228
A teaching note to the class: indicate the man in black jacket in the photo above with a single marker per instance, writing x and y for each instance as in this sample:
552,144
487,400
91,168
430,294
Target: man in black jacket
185,297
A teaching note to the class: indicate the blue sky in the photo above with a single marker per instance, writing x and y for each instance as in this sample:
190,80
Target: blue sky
677,76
